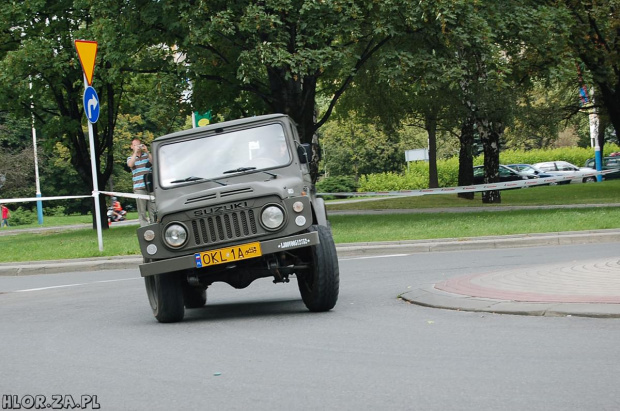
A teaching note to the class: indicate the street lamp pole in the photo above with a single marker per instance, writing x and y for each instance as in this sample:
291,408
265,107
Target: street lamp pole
594,124
36,161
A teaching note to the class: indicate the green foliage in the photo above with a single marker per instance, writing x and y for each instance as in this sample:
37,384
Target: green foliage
352,146
22,216
337,184
17,168
134,73
416,177
14,132
406,63
57,211
392,181
574,155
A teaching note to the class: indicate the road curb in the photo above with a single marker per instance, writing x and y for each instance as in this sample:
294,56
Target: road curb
68,266
428,296
478,243
347,250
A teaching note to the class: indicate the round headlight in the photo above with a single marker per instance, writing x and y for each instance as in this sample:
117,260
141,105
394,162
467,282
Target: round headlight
149,235
272,217
175,235
298,206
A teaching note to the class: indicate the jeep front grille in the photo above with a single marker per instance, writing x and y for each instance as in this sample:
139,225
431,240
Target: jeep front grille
224,227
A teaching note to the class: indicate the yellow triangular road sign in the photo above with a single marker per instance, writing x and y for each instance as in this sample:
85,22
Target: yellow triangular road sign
87,51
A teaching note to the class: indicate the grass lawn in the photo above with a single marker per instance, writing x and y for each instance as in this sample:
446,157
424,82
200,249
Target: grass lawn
365,228
593,193
68,244
58,221
395,227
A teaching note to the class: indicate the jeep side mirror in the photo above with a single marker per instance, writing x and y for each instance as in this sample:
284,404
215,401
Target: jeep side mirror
304,151
148,182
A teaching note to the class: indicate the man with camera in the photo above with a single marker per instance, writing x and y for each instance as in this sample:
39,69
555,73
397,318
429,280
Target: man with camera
140,164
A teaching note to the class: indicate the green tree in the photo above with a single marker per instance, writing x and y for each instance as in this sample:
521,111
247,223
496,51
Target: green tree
352,147
247,57
37,46
595,38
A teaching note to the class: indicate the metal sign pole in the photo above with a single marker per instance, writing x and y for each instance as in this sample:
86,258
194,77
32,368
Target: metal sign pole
87,53
93,165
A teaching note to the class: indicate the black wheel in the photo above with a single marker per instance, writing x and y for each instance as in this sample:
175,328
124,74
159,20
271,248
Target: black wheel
589,180
165,294
194,297
319,285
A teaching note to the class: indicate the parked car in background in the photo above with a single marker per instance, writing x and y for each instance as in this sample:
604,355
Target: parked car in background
609,163
564,168
505,174
534,172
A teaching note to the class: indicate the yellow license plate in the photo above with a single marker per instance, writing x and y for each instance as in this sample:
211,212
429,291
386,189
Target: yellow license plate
228,254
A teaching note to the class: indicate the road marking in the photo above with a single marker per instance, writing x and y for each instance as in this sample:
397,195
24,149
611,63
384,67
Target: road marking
72,285
373,256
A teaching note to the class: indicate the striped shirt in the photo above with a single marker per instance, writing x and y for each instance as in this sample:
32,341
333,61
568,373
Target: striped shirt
141,167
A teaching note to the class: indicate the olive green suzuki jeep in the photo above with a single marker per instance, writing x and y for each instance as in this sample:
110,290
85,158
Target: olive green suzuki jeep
235,202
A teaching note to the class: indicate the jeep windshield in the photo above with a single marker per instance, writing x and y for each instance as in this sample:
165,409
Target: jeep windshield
222,155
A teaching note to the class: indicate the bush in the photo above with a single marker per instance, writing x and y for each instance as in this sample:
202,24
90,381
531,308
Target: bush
57,211
416,176
22,216
337,184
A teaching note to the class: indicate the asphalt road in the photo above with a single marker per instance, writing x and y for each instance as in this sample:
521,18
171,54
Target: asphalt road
92,333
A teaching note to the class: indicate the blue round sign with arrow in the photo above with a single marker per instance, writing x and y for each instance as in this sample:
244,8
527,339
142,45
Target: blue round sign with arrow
91,104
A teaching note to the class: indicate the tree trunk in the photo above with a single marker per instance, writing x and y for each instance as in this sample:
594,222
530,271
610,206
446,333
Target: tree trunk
466,157
611,101
490,136
430,122
295,97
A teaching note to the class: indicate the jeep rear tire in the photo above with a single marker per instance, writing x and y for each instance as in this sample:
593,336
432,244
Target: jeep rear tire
319,285
165,294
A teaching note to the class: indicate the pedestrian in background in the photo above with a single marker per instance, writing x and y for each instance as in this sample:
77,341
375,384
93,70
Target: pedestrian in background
140,164
6,214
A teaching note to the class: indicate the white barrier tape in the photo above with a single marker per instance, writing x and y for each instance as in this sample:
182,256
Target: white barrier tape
127,195
461,189
25,200
110,193
464,189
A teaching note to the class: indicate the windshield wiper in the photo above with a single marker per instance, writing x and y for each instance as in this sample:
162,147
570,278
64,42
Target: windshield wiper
194,178
243,169
239,170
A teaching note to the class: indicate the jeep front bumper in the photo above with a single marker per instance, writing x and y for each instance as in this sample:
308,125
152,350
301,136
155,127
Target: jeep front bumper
190,261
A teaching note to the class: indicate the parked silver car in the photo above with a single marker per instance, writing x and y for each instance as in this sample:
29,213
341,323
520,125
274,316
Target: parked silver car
610,164
533,172
564,168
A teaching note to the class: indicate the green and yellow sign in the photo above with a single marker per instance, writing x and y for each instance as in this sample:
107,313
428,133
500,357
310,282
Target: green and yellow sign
202,119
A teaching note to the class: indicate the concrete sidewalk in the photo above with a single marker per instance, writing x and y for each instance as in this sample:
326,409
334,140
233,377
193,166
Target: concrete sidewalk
590,288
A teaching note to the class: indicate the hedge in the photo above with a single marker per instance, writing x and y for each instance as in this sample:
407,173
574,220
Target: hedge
416,176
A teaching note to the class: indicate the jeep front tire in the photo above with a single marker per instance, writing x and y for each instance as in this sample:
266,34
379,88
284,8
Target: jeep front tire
165,293
319,284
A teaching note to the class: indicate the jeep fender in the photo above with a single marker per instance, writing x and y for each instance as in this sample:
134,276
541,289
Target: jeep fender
319,211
